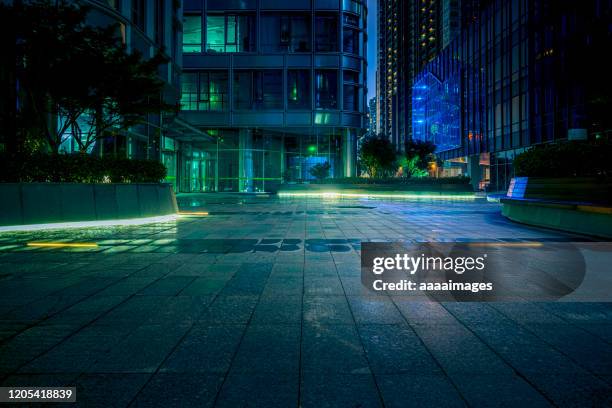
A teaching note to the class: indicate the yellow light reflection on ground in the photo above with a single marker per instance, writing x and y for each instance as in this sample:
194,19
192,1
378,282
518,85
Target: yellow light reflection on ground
196,213
63,244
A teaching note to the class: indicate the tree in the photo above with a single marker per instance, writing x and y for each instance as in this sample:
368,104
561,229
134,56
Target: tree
377,155
41,36
320,171
423,150
75,77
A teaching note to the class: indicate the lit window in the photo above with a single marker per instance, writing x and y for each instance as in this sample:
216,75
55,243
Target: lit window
230,33
298,89
192,33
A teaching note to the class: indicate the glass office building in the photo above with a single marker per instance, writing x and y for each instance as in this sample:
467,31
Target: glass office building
503,85
270,89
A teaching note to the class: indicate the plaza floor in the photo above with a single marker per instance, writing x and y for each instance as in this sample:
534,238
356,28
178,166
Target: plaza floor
257,301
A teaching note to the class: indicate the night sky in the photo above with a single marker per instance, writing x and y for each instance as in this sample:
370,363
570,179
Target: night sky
372,43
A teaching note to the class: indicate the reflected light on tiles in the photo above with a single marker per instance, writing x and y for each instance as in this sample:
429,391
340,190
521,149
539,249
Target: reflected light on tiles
88,224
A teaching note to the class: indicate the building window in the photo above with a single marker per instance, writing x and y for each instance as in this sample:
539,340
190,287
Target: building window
255,90
326,33
204,91
284,33
192,33
189,91
326,89
138,13
230,33
298,89
351,41
351,91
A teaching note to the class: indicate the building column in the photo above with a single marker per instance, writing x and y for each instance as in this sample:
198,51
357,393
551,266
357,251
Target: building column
245,160
348,153
474,170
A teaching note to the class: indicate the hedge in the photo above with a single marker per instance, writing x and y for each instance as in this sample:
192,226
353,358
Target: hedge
394,180
568,159
79,168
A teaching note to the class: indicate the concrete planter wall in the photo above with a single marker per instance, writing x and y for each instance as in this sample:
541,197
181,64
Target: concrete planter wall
39,203
575,189
580,205
588,220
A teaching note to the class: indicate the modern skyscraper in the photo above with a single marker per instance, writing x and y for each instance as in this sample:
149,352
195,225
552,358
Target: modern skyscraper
274,88
372,118
521,74
410,34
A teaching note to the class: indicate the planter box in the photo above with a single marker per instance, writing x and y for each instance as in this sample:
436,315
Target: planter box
574,189
41,203
582,219
580,204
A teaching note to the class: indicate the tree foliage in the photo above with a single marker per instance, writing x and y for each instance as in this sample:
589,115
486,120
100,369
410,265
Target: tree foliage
569,159
378,156
73,77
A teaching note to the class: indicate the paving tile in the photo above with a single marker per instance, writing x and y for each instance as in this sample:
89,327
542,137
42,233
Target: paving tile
339,390
395,349
499,391
333,348
269,349
264,390
418,390
205,349
374,310
108,390
179,390
327,310
278,309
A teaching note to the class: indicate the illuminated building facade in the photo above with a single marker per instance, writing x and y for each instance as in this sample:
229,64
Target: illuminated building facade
410,34
505,84
273,88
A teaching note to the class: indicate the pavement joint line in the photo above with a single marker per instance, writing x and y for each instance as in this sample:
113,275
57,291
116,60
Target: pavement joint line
173,349
246,327
604,378
516,372
85,325
440,366
363,349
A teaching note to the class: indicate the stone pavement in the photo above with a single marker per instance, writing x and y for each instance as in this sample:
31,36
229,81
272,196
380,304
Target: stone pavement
260,303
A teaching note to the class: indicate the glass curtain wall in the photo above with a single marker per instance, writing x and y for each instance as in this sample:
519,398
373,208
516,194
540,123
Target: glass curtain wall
230,33
285,33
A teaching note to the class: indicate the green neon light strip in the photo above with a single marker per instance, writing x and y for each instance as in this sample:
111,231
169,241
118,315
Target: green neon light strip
335,194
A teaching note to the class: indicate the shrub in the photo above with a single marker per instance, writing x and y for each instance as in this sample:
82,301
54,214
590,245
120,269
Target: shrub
79,168
320,171
569,159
